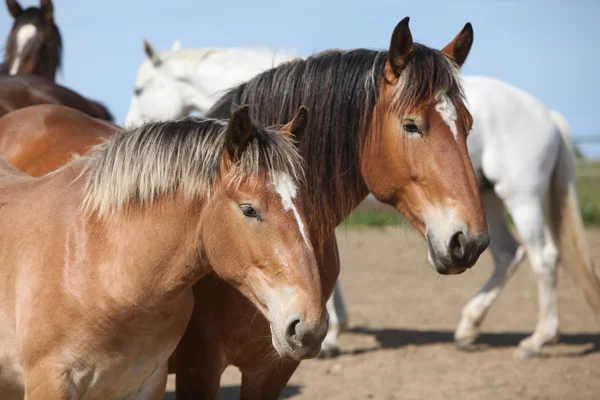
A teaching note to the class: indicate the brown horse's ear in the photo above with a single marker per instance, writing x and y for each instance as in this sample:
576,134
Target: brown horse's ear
295,128
14,8
401,48
239,132
459,48
47,10
152,56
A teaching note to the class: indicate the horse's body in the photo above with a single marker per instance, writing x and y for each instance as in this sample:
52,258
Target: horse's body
98,258
34,45
358,140
28,90
174,83
522,156
40,139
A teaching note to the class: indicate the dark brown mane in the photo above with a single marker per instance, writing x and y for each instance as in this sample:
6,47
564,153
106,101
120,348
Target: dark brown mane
340,89
45,48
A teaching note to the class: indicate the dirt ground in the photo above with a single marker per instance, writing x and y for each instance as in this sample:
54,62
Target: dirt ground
402,318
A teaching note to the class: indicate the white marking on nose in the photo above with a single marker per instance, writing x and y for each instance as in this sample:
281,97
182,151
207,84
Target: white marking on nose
286,188
447,111
24,35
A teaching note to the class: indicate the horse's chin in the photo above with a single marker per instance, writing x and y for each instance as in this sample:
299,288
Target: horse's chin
286,351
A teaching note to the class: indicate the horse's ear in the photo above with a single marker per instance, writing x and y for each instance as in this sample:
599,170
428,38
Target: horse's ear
296,127
401,48
14,8
239,132
459,48
152,56
176,45
47,10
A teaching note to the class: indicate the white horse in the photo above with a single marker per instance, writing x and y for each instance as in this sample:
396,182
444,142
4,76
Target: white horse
175,83
524,161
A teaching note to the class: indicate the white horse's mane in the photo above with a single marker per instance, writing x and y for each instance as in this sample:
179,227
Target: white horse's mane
193,57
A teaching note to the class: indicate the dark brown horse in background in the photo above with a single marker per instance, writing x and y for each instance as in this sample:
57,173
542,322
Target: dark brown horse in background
34,45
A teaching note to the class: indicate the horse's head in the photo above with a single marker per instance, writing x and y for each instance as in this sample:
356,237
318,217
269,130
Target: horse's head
418,135
255,235
162,90
34,44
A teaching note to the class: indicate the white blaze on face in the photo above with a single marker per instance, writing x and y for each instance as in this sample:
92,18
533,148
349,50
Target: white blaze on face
447,111
286,188
24,35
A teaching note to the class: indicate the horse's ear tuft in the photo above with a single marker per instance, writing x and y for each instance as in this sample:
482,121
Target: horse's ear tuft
150,53
239,132
458,49
47,10
296,127
401,47
14,8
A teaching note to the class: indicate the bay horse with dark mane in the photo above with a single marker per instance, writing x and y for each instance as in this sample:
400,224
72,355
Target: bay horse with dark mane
392,123
97,277
34,45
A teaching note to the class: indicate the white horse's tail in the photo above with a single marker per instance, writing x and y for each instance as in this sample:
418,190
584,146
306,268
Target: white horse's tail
567,225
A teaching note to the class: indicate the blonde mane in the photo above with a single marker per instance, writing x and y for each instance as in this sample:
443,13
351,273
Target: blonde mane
138,166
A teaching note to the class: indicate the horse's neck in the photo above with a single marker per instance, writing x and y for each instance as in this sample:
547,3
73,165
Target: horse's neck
137,255
216,70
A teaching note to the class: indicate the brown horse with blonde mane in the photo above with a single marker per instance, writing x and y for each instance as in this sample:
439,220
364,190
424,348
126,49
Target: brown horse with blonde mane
97,276
392,123
34,45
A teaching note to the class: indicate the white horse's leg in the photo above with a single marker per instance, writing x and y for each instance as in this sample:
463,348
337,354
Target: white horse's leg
507,256
528,215
338,322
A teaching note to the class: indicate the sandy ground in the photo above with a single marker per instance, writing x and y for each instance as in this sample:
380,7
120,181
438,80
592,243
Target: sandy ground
402,319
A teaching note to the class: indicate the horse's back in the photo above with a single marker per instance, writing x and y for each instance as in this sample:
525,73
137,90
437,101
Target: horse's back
40,139
19,91
514,138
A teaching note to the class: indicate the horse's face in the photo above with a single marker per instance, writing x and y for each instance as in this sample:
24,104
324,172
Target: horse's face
255,237
161,92
422,149
33,46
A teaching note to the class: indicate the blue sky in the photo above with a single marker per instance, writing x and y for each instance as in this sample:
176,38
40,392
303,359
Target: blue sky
550,48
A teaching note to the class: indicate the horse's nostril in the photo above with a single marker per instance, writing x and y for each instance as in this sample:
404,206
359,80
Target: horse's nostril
457,246
291,330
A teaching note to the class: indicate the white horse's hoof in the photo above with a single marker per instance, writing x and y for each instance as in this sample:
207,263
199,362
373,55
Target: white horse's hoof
525,354
464,344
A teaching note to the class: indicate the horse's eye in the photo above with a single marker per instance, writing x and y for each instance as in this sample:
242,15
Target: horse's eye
137,91
249,211
411,129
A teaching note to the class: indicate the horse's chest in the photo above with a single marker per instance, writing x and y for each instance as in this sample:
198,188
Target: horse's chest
135,375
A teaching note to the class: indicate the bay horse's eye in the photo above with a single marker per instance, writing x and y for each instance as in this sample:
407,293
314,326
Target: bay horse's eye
249,211
411,129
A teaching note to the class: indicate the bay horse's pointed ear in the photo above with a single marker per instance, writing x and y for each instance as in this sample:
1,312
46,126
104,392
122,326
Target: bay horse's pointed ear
296,127
239,132
459,48
14,8
401,48
47,10
152,56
